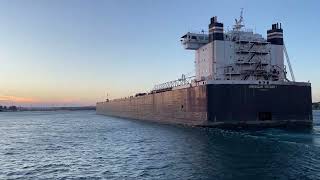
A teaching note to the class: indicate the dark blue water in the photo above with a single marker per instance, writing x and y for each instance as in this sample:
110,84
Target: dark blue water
83,145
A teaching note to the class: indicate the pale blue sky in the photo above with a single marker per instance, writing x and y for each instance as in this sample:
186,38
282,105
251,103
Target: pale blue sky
75,51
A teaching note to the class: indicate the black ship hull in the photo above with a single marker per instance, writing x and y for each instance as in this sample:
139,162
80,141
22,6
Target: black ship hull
259,105
221,105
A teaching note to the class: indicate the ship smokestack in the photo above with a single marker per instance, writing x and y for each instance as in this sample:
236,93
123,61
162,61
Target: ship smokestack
215,29
275,34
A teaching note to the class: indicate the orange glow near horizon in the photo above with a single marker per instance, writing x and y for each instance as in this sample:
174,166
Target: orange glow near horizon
50,96
26,101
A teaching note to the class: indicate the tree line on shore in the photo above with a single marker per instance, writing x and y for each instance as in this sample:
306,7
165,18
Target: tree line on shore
72,108
316,105
8,108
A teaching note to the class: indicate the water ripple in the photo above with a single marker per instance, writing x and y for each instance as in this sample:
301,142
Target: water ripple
83,145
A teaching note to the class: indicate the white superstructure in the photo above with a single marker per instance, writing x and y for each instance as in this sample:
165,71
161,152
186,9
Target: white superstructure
238,54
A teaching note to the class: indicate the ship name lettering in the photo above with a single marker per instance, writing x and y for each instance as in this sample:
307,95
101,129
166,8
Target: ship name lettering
262,86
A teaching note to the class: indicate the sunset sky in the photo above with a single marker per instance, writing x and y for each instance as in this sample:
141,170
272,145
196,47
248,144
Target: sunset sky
74,52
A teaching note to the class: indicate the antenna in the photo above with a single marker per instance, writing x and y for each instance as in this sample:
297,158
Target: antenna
107,100
241,15
239,22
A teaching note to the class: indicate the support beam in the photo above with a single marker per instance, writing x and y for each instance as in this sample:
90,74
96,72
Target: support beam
288,61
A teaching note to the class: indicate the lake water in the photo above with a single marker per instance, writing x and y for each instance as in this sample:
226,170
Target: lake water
83,145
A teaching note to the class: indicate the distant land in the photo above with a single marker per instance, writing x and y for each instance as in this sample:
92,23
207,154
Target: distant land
316,105
8,108
15,108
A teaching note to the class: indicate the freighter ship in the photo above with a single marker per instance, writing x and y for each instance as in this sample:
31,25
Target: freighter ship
240,81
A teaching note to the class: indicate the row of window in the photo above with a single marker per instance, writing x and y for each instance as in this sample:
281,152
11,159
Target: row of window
199,37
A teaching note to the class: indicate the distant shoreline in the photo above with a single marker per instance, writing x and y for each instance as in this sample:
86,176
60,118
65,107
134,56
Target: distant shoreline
316,106
80,108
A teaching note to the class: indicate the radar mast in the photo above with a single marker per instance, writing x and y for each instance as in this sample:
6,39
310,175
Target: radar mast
239,22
